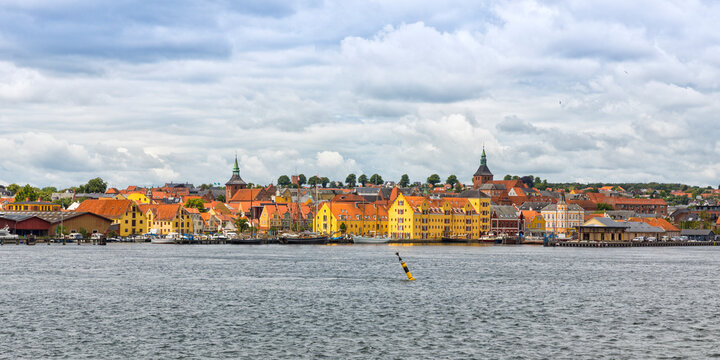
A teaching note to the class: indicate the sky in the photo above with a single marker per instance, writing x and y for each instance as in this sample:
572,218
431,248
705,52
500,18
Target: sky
144,93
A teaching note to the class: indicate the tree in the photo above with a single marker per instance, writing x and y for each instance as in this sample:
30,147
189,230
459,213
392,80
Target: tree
433,179
404,181
458,187
507,177
324,181
529,180
452,180
64,202
83,232
220,198
27,192
96,185
195,203
13,188
604,207
363,179
61,230
284,180
302,180
376,179
350,180
205,186
314,180
343,228
242,224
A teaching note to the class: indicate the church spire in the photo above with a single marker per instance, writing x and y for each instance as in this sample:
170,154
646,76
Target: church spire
236,168
483,158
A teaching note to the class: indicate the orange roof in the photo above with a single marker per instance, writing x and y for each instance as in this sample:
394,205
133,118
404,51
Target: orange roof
657,222
112,209
629,201
112,191
244,195
167,211
590,216
598,197
192,210
529,215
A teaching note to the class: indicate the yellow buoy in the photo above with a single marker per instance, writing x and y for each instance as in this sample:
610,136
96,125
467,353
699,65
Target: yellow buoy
407,272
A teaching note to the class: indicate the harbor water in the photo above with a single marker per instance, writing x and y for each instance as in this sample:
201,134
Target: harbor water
273,301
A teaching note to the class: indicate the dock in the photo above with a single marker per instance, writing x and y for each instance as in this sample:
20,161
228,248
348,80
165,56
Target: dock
595,244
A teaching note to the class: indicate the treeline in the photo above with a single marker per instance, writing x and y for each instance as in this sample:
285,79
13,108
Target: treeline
353,180
23,193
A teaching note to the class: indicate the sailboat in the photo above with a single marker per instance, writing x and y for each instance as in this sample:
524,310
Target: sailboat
303,238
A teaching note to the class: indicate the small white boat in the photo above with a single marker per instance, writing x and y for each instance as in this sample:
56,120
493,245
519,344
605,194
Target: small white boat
357,239
6,235
167,239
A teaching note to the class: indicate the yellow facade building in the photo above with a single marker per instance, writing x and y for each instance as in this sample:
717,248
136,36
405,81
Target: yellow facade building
353,218
163,219
125,213
416,217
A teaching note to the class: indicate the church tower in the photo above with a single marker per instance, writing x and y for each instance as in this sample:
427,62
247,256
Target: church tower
483,174
235,183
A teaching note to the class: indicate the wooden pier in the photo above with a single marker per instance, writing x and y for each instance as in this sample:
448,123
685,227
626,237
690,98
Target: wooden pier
595,244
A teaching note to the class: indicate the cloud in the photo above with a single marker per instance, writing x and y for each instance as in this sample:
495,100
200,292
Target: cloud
620,91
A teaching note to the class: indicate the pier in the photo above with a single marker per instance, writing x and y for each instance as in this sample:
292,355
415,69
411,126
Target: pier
594,244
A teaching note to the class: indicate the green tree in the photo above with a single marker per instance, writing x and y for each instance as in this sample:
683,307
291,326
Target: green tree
604,207
195,203
433,179
13,188
458,187
507,177
302,180
343,228
61,230
242,224
363,179
96,185
452,180
404,181
314,180
350,180
83,232
537,181
376,179
27,192
64,202
220,198
284,180
324,181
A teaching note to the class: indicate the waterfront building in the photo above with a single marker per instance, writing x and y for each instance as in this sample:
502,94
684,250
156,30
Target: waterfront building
235,183
356,218
32,206
416,217
643,206
163,219
125,214
507,220
534,222
562,218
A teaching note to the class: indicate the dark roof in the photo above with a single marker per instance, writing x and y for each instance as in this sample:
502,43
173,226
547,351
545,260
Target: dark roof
491,186
236,180
473,194
51,216
505,211
570,207
642,227
534,205
607,222
703,232
482,171
34,203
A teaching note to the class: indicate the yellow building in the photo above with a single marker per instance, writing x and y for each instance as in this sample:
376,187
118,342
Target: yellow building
416,217
562,218
32,206
125,213
353,217
534,222
136,197
163,219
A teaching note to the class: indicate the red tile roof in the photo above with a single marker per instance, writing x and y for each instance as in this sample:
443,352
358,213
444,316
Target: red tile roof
112,209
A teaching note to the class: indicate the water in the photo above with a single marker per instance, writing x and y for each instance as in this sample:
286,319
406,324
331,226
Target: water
499,302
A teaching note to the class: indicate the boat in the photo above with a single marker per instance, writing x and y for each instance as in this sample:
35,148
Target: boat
370,239
248,241
6,235
167,239
302,239
455,239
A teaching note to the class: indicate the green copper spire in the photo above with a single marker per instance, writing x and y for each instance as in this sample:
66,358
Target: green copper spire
236,168
483,158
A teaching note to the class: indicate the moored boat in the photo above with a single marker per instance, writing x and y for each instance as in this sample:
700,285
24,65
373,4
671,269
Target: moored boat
248,241
452,239
370,240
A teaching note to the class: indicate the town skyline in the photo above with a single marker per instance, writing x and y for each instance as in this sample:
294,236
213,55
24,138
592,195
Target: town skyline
591,92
